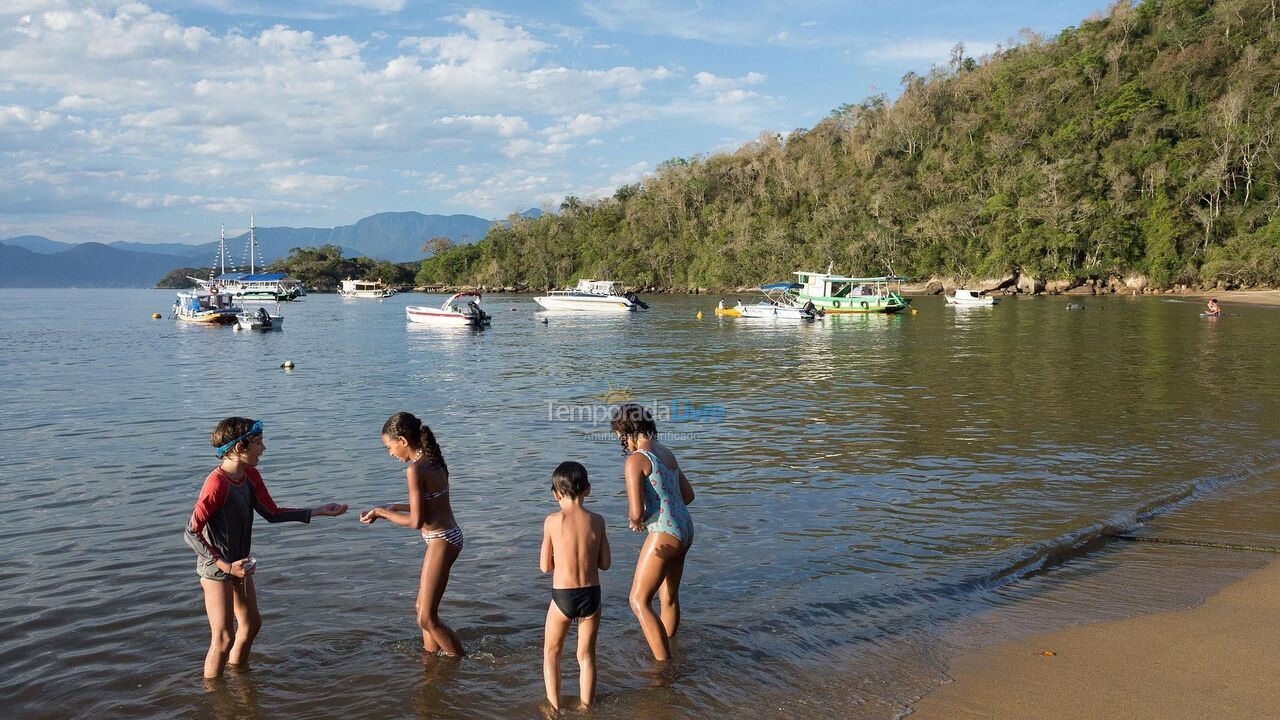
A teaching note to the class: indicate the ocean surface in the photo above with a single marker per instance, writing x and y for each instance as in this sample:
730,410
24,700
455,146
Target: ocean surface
874,495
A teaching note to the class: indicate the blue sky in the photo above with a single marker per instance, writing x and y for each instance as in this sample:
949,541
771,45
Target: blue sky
158,121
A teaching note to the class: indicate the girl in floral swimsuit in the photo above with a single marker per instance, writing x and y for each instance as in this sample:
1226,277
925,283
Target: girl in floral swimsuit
658,494
409,440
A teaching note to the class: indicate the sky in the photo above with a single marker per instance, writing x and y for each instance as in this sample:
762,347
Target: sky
160,121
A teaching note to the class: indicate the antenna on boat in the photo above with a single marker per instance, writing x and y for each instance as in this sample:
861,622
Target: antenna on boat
253,245
831,266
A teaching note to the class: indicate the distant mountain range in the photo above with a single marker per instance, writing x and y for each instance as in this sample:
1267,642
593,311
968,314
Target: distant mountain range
35,261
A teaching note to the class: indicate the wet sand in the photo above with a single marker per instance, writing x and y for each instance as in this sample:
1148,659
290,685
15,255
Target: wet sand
1214,660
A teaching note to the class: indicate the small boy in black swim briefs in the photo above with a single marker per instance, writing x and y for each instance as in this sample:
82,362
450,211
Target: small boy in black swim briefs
574,550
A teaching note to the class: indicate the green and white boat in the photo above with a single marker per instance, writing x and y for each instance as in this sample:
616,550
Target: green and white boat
836,294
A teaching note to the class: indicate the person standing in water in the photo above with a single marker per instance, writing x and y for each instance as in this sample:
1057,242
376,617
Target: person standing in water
658,494
221,530
409,440
575,549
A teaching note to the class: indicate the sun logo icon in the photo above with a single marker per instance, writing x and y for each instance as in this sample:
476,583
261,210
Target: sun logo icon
614,395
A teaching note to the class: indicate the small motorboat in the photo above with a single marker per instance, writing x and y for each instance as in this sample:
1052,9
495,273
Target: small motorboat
776,304
970,297
365,289
593,295
260,320
452,313
204,307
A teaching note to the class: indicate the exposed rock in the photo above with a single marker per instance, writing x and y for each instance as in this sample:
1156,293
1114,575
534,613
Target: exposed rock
1030,284
987,285
1053,287
934,287
1082,290
1137,282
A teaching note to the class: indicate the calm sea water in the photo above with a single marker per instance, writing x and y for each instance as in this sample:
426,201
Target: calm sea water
867,486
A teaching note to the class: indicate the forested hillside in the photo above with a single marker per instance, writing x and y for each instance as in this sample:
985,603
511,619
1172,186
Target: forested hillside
1137,143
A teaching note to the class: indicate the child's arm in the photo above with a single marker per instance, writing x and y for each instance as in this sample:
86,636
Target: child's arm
604,560
416,515
634,473
686,490
212,497
547,560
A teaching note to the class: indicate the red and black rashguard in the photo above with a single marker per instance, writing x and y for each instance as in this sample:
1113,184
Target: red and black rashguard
221,526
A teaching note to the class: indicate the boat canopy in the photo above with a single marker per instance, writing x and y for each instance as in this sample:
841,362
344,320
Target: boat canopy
844,278
782,286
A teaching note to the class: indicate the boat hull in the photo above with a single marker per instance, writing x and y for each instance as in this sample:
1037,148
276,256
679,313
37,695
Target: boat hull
983,302
765,311
589,304
858,304
214,318
442,318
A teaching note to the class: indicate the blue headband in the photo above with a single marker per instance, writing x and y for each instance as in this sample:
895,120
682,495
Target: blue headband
256,429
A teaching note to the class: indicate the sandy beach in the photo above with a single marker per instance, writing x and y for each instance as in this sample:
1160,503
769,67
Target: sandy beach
1212,661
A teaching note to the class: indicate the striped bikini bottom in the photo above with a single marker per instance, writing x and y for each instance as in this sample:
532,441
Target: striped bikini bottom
453,536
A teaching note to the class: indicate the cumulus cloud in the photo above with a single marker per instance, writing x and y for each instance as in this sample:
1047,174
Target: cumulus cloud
937,52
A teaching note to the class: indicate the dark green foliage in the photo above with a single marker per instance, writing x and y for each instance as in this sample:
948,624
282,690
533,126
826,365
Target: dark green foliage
180,279
1138,142
323,268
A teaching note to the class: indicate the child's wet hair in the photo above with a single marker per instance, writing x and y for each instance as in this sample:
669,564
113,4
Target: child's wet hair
632,420
417,434
570,479
229,429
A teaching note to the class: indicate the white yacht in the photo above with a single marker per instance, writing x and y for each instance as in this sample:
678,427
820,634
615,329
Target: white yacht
365,289
970,297
592,295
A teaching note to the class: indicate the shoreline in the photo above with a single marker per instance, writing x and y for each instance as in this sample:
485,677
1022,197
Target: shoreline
1192,663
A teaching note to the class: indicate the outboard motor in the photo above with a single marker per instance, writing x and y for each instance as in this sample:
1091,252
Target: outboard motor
810,310
478,317
635,300
264,317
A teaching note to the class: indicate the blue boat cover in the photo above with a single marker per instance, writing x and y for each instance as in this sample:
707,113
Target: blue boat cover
782,286
262,277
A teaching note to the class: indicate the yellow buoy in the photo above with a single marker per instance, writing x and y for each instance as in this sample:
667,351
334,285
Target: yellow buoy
155,316
914,311
699,314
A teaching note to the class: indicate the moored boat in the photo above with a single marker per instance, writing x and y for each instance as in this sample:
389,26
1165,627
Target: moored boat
970,297
777,304
261,320
592,295
842,294
365,289
452,313
205,307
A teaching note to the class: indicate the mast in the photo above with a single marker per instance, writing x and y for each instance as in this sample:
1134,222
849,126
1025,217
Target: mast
252,244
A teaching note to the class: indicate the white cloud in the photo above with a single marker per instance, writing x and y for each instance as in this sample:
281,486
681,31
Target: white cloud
937,52
501,125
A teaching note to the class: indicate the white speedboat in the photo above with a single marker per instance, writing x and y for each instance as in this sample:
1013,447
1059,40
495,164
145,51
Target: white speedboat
453,312
260,320
775,305
205,308
970,297
365,289
592,295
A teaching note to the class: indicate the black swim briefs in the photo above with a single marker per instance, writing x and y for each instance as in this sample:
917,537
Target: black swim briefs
577,602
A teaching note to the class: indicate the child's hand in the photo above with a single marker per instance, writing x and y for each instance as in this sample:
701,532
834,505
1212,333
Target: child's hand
637,526
330,510
242,568
368,516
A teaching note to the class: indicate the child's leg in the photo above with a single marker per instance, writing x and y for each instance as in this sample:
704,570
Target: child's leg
588,627
248,621
669,594
218,606
435,576
655,554
553,642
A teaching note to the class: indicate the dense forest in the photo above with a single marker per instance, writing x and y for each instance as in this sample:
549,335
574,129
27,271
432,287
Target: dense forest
1139,143
321,269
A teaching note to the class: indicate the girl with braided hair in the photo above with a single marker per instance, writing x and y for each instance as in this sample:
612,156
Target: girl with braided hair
409,440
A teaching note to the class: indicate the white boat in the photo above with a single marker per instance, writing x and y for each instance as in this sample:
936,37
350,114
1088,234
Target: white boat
452,313
252,285
260,320
592,295
365,289
775,305
205,307
970,297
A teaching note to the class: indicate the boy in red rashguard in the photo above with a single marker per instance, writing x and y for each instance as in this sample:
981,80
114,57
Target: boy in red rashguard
220,531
